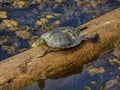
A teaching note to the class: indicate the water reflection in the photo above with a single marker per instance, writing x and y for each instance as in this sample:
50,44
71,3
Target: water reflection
97,75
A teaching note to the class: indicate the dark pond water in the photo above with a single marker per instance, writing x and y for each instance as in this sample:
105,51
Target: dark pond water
23,23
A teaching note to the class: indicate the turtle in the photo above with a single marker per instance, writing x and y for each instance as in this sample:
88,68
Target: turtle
62,38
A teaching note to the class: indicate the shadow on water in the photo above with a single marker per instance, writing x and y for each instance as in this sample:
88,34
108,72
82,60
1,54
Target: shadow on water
102,74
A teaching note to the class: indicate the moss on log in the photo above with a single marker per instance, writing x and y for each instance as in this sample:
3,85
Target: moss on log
25,68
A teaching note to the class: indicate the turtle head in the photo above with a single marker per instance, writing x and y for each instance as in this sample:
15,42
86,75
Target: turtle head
39,42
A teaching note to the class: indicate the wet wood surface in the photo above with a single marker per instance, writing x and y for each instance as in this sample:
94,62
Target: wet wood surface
25,68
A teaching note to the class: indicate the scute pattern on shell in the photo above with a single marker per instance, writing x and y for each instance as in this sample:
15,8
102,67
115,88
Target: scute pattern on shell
63,37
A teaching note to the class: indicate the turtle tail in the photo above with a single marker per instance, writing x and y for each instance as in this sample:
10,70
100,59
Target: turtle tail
93,38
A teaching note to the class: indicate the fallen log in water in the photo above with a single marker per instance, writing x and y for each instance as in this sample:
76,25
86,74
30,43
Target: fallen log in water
24,68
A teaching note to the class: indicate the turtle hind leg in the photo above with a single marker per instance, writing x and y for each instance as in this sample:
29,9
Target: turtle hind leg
44,52
93,38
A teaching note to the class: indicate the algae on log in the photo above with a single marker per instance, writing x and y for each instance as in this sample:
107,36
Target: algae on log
25,68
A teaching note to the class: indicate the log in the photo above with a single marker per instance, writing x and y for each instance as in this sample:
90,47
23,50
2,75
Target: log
25,68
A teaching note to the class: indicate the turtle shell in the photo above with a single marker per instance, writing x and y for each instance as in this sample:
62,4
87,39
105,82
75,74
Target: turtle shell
63,37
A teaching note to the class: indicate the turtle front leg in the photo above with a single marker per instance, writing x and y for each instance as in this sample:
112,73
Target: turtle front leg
82,27
45,52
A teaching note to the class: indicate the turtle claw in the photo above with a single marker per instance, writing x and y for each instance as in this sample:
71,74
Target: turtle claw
41,55
44,52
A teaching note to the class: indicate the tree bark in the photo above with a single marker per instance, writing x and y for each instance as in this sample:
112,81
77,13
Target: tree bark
25,68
